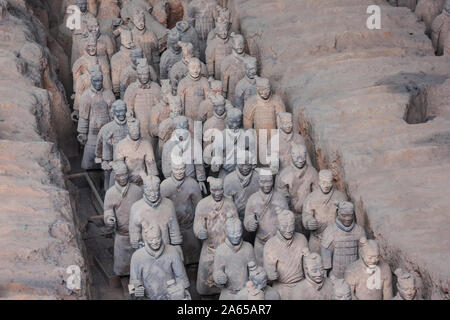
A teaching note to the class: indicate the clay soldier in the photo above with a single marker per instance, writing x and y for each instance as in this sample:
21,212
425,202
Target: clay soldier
154,264
108,138
118,201
171,56
193,89
185,194
368,277
145,39
188,35
341,290
154,208
129,73
285,138
78,34
246,87
142,96
261,111
82,84
137,152
160,10
260,215
206,108
201,16
177,291
283,255
231,259
406,287
240,184
222,15
105,45
215,124
162,110
167,126
319,208
233,67
297,181
108,9
121,59
258,277
183,145
217,50
316,285
181,68
86,61
440,29
209,226
94,113
427,11
339,244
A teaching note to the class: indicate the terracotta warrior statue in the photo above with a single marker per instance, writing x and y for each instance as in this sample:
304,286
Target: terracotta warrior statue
193,89
142,96
209,226
246,86
129,73
316,285
369,277
146,39
341,290
106,47
118,201
181,68
427,11
183,145
222,15
217,50
108,138
261,111
167,126
260,214
233,67
297,181
258,277
121,59
319,210
156,209
188,34
241,183
86,61
185,193
440,29
231,259
217,123
340,240
94,113
171,56
206,108
283,255
137,152
201,16
161,111
155,264
285,139
406,287
79,34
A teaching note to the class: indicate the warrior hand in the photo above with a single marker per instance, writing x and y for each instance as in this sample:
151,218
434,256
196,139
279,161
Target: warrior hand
215,167
82,138
253,225
202,187
74,116
222,278
111,222
106,166
312,224
139,291
134,244
203,234
98,160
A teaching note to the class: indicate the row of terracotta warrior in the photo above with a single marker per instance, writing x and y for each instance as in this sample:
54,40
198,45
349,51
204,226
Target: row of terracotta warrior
251,228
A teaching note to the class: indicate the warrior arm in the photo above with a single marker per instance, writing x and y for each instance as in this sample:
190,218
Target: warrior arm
150,164
99,145
179,271
218,267
248,113
239,97
210,59
181,93
176,238
108,207
199,221
387,285
270,263
154,121
85,110
135,227
327,248
249,218
136,278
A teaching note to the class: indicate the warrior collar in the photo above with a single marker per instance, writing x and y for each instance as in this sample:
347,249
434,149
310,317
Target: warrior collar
235,248
344,228
155,254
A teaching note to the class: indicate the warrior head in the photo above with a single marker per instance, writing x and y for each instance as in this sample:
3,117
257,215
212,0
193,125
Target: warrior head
246,164
345,213
216,188
222,30
119,110
370,252
234,119
152,235
313,266
325,181
139,19
136,54
238,43
178,168
298,155
405,284
96,77
121,172
286,122
218,105
151,188
134,128
195,68
82,4
263,87
91,45
143,71
126,38
265,180
251,67
257,275
233,229
286,223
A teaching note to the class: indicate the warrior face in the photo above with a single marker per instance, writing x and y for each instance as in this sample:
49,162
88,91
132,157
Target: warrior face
234,231
217,193
91,49
287,226
222,30
316,273
179,171
151,191
139,20
152,237
234,122
406,288
143,76
94,27
264,91
286,122
97,81
181,131
134,130
325,184
370,253
82,4
195,68
135,55
122,179
219,108
245,169
251,70
126,39
238,44
346,218
298,155
120,112
266,183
